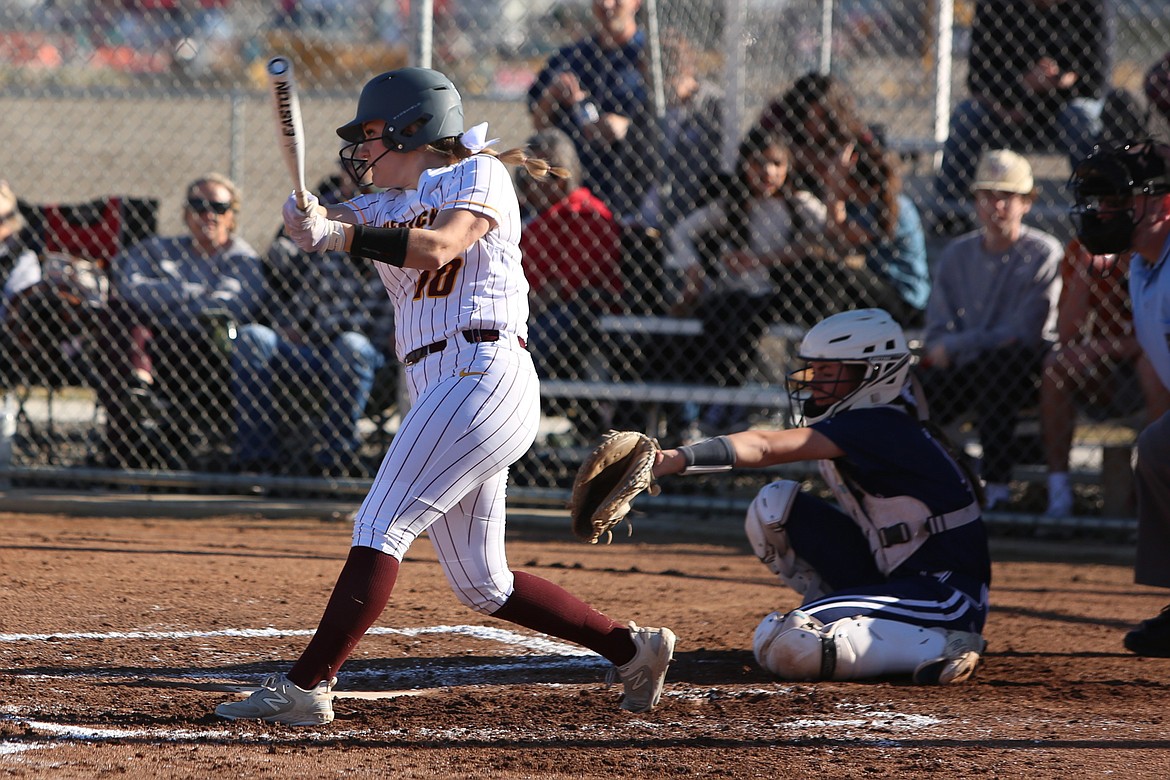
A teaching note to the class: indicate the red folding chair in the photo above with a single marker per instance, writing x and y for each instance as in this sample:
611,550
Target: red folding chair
75,243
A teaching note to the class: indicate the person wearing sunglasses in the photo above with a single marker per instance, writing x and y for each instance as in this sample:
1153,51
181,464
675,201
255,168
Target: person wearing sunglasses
176,299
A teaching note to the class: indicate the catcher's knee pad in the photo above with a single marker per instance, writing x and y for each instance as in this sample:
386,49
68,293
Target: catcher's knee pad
790,646
764,526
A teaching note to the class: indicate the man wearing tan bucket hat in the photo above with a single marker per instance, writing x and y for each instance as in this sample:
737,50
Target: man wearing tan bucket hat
991,316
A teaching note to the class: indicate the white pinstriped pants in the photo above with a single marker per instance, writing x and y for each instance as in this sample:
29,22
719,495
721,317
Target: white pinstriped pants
475,410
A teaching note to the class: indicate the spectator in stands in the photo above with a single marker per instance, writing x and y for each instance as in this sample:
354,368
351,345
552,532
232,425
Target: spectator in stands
991,316
691,135
1156,86
40,305
20,269
1038,72
20,280
868,213
1125,116
727,256
595,91
174,302
1096,361
818,114
301,379
572,251
729,246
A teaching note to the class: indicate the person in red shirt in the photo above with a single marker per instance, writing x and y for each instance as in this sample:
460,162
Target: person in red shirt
572,258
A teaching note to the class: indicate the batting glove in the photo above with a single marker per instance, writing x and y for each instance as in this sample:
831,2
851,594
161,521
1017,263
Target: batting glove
318,234
293,214
310,229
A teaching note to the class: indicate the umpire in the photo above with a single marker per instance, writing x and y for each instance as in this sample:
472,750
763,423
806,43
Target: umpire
1123,204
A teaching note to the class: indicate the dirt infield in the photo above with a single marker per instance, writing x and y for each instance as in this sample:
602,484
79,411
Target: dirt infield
118,636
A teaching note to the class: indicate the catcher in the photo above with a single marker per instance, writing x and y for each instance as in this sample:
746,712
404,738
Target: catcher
894,576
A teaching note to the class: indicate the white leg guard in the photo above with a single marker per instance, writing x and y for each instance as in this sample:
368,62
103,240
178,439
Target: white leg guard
798,647
872,647
764,526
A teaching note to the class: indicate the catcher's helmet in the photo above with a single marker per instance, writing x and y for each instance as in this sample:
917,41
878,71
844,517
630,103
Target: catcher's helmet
868,338
419,106
1104,187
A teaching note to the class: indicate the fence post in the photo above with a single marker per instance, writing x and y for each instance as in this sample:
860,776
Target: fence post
734,28
422,30
944,51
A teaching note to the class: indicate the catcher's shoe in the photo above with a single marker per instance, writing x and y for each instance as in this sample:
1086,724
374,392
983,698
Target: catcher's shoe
645,674
279,701
957,664
1152,637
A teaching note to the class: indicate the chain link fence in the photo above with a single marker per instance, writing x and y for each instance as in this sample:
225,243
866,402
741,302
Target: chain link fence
741,169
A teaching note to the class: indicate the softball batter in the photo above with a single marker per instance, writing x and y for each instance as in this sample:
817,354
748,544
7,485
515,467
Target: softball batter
445,234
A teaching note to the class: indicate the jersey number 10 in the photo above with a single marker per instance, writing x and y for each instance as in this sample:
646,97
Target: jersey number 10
440,283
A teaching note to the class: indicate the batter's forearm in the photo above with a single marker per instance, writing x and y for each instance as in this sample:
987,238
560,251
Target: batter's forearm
401,247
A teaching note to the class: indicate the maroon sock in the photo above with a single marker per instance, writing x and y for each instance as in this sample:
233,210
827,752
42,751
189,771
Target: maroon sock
550,609
361,593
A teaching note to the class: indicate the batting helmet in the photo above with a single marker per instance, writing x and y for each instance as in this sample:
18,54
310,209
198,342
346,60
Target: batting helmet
864,337
419,106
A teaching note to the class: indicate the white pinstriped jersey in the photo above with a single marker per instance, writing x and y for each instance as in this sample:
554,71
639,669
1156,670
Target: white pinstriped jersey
484,287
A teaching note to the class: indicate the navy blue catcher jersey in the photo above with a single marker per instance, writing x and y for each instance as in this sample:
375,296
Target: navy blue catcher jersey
889,453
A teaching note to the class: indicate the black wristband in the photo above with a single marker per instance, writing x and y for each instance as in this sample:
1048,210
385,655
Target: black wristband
380,244
708,456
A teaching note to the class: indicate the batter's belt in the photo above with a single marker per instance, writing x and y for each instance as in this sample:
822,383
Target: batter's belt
473,337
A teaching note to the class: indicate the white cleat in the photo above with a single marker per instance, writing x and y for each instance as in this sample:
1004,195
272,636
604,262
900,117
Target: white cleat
279,701
644,676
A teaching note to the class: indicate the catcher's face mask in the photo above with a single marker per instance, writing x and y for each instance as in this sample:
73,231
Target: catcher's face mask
821,385
1108,186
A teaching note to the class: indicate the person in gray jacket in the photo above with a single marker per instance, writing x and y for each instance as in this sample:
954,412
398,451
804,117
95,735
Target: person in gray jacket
991,317
161,354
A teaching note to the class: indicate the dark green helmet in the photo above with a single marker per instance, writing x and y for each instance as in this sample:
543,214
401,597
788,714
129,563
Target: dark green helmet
419,106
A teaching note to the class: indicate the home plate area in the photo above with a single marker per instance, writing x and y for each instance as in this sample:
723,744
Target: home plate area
119,636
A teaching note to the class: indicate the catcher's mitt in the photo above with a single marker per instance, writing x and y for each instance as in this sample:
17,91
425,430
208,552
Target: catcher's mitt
609,479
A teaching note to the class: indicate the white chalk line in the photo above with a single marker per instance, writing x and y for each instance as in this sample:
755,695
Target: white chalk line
564,656
501,635
879,725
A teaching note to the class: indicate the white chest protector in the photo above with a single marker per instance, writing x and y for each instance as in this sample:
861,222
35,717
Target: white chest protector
895,527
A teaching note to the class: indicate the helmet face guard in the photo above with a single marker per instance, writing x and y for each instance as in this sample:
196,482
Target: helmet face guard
1106,185
356,168
814,397
872,365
